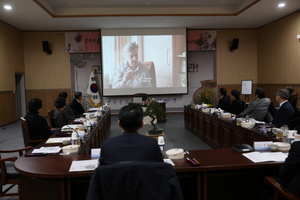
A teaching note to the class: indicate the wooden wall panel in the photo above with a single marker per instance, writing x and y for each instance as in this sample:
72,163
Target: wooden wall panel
278,51
43,71
229,87
47,97
241,64
11,56
9,109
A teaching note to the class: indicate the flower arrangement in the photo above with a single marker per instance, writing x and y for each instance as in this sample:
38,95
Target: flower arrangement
206,96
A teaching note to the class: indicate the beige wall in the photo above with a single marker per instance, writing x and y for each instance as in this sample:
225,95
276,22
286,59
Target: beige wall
241,64
11,56
279,52
270,56
45,71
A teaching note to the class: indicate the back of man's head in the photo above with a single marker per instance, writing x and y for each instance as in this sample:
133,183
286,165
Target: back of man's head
235,93
60,102
223,91
63,94
131,117
260,93
290,89
283,93
77,95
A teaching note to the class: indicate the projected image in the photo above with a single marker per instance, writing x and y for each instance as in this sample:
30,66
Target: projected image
131,73
146,63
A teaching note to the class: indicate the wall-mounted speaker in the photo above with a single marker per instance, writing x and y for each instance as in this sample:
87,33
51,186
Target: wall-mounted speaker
235,44
46,48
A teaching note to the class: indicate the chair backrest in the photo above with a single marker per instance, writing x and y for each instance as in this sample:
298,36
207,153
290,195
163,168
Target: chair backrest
135,180
26,134
51,119
293,100
279,190
25,130
8,174
152,73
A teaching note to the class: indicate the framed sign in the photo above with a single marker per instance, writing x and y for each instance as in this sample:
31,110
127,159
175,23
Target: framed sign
246,87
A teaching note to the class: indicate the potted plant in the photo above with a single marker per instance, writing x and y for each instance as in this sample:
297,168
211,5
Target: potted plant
154,111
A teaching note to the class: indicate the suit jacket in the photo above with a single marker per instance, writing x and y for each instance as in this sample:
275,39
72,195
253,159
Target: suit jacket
284,115
130,147
38,126
77,107
69,113
59,118
135,181
257,109
236,107
289,172
224,102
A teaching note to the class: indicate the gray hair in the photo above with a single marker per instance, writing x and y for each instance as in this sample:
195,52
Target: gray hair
283,93
129,46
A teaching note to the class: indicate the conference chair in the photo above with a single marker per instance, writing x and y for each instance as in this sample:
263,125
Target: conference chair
9,177
152,73
135,181
51,119
26,135
279,191
293,100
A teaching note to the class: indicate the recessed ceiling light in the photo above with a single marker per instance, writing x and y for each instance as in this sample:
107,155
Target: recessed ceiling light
7,7
281,5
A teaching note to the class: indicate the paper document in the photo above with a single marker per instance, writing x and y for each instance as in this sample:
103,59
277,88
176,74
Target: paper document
169,161
266,156
58,140
71,126
95,152
83,165
47,150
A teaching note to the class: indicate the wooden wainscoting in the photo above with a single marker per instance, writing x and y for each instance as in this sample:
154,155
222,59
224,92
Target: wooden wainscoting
8,107
271,90
239,88
47,96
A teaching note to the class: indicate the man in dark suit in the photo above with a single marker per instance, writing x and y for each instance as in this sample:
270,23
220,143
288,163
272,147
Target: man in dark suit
130,146
285,112
289,173
224,101
76,105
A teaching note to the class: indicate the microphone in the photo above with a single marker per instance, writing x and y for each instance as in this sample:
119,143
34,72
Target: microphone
77,134
244,147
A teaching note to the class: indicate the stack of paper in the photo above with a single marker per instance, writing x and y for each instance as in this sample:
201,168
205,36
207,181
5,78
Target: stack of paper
58,140
266,156
83,165
47,150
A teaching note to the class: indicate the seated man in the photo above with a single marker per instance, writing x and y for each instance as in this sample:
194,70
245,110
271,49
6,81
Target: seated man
130,146
236,106
257,109
224,101
37,125
59,117
289,172
68,111
285,112
76,105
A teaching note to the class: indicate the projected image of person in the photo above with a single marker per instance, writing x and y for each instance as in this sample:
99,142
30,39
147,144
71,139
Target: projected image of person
132,73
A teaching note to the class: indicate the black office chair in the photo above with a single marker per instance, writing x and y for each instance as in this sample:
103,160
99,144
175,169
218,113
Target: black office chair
279,191
8,175
135,181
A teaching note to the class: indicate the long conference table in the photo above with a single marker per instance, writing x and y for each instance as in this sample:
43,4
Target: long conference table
223,173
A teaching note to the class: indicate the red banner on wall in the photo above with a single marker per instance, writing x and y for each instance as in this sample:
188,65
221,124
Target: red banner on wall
85,42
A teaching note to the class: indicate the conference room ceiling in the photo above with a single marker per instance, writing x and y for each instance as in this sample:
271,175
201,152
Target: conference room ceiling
68,15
